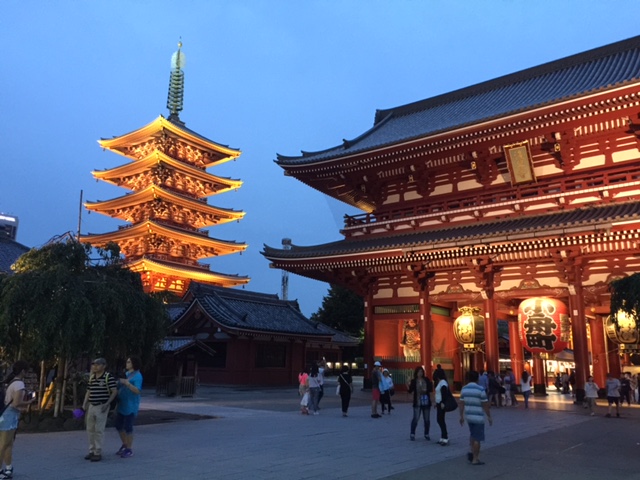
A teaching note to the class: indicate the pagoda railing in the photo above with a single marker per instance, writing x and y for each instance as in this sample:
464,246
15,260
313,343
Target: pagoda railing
542,192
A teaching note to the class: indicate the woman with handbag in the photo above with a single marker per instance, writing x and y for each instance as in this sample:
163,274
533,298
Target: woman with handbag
14,401
441,384
422,389
345,383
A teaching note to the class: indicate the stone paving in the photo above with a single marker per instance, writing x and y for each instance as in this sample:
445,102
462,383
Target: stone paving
259,433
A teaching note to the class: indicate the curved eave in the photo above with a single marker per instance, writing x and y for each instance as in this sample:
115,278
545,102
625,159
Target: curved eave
150,227
151,130
153,192
147,265
140,166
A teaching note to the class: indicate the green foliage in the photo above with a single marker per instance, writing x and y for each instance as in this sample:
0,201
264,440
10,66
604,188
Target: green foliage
343,310
58,305
625,295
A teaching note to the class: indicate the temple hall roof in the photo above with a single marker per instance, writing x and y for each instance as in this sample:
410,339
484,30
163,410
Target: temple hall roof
587,73
10,251
260,313
534,226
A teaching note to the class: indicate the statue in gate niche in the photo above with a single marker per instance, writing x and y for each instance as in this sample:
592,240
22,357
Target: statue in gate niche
411,340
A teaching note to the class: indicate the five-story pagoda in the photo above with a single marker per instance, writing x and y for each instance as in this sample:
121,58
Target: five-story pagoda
168,209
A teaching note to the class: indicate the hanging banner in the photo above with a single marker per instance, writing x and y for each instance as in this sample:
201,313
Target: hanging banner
544,325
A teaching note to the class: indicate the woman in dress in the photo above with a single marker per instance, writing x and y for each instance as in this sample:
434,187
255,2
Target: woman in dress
346,388
15,400
422,389
441,383
525,387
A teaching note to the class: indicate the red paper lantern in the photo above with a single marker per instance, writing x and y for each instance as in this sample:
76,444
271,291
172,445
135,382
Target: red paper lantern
544,325
468,328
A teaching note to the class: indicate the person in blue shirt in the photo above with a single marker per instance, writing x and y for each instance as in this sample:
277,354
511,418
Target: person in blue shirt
129,390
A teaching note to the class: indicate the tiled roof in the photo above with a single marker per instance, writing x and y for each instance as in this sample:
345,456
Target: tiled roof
9,253
533,225
571,77
178,344
260,313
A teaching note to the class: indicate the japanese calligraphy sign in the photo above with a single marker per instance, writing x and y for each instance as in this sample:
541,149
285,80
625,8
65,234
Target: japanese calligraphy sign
544,325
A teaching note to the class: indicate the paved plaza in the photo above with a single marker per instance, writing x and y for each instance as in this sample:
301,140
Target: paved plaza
258,433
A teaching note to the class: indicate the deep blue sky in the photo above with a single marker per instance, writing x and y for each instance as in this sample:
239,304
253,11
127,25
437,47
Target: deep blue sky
266,77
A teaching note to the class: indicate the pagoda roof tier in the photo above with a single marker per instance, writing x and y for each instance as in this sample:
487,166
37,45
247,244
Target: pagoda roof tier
139,143
454,241
124,207
585,74
125,175
160,267
210,246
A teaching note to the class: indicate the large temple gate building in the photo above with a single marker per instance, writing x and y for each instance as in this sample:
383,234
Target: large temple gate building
168,208
523,187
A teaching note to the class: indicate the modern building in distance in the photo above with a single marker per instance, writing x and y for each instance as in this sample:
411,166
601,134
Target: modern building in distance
168,211
518,189
8,226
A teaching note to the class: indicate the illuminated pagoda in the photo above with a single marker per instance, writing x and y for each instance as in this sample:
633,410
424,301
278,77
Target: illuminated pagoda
167,208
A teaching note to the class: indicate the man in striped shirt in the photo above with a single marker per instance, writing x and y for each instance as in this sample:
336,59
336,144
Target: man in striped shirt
101,390
474,406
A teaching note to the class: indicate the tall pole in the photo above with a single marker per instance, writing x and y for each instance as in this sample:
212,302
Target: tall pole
79,216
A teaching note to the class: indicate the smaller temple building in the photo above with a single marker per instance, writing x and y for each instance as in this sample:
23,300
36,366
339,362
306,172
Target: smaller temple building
225,336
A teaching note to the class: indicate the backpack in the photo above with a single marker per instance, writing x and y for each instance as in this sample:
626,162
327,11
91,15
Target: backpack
449,403
3,392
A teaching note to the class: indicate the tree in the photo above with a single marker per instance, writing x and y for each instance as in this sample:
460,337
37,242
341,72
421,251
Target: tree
625,296
59,307
343,310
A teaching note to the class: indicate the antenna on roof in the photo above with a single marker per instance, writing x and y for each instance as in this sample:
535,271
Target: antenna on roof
286,245
176,84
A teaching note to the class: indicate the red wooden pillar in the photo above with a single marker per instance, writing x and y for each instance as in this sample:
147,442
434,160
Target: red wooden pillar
598,351
539,380
613,353
369,335
580,343
491,336
515,348
426,326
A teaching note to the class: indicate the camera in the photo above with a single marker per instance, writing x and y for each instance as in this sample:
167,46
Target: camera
29,396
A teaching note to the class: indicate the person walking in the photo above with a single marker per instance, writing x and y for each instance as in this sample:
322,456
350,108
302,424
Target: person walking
625,389
314,389
474,407
321,368
613,394
386,390
303,391
101,391
129,390
375,389
513,386
422,389
525,387
14,400
441,383
346,388
591,393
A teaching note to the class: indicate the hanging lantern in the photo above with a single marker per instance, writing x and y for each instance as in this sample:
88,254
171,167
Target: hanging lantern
624,331
544,325
468,328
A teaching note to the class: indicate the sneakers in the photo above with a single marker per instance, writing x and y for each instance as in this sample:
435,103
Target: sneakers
6,474
122,449
375,415
443,441
88,456
427,438
412,437
96,458
127,453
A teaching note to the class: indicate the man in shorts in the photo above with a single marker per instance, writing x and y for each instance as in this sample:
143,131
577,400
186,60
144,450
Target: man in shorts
613,394
375,390
474,406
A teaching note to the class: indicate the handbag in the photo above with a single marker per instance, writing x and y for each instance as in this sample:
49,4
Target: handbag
392,392
305,399
448,403
338,390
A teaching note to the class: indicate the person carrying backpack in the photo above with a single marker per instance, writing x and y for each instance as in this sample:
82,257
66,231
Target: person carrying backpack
101,391
14,400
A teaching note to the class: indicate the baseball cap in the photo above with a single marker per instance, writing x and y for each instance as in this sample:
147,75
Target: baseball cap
100,361
377,364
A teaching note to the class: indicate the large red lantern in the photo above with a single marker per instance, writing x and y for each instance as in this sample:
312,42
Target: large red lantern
544,325
468,328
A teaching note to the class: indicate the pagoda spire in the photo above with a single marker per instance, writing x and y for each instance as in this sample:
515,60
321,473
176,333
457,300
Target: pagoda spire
176,85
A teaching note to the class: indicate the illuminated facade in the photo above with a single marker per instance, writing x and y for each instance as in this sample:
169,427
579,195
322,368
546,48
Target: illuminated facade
525,186
167,210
